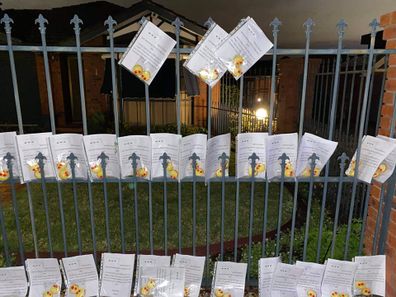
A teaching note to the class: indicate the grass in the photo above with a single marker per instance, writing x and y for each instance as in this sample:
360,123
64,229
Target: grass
128,207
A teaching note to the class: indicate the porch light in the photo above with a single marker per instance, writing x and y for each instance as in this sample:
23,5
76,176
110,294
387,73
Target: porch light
261,113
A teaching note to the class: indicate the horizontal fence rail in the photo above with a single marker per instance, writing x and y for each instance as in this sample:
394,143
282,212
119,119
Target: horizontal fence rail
308,218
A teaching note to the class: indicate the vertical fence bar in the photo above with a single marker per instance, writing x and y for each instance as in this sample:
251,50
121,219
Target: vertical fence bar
364,219
253,158
76,21
283,159
341,25
358,114
4,237
374,249
110,22
367,115
351,96
134,159
8,158
275,24
103,157
40,157
177,23
165,158
373,26
7,27
343,158
308,30
381,93
236,226
72,158
293,225
312,159
209,115
224,159
326,70
343,98
194,159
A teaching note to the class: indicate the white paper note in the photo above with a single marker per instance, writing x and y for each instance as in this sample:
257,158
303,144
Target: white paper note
386,168
373,152
229,278
94,145
195,143
13,282
116,274
29,145
147,52
266,268
310,144
338,277
141,146
244,46
203,62
165,143
162,281
310,281
44,277
215,148
80,275
285,279
370,276
194,268
247,144
8,145
276,145
62,145
149,261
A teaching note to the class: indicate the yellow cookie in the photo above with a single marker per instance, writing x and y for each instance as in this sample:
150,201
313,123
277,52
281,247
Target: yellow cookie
145,291
334,294
260,167
366,291
64,173
360,284
96,167
199,172
74,288
145,75
237,72
311,293
47,294
173,174
137,69
344,295
238,60
219,173
55,289
151,283
80,292
219,293
203,74
226,294
186,292
4,175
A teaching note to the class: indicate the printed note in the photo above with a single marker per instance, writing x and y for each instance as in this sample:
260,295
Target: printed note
8,145
370,276
266,267
44,277
165,143
195,143
13,282
194,268
229,278
215,148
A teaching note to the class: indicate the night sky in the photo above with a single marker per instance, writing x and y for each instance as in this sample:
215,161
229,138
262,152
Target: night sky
292,13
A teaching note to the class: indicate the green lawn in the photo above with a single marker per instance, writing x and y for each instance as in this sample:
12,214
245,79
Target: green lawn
128,206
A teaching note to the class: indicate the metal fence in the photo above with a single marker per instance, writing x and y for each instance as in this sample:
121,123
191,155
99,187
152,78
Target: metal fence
226,218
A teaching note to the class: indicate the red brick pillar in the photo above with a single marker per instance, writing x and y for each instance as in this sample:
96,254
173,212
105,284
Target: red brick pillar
388,22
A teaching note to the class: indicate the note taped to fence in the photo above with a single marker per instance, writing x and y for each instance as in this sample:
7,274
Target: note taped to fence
8,145
228,279
116,272
266,269
370,276
161,281
310,281
44,277
285,279
243,47
247,144
29,146
194,268
95,145
13,282
373,152
309,145
140,145
203,62
195,143
338,278
81,276
170,144
148,261
147,52
387,166
216,147
62,145
277,145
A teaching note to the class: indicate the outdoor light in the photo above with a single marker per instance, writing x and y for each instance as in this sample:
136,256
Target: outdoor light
258,99
261,113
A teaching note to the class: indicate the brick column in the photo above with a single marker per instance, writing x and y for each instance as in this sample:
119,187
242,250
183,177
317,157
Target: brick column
388,22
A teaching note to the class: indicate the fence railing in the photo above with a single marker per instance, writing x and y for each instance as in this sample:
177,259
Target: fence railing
227,218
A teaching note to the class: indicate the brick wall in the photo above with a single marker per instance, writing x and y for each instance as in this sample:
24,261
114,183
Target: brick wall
388,22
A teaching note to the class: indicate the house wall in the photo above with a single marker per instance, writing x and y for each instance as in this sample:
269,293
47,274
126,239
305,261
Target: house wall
388,22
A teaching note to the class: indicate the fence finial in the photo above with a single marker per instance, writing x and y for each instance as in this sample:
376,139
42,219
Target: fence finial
103,157
308,24
142,20
374,24
41,20
8,157
253,158
343,159
110,22
178,24
76,21
341,26
134,159
209,23
7,23
223,162
312,164
275,24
